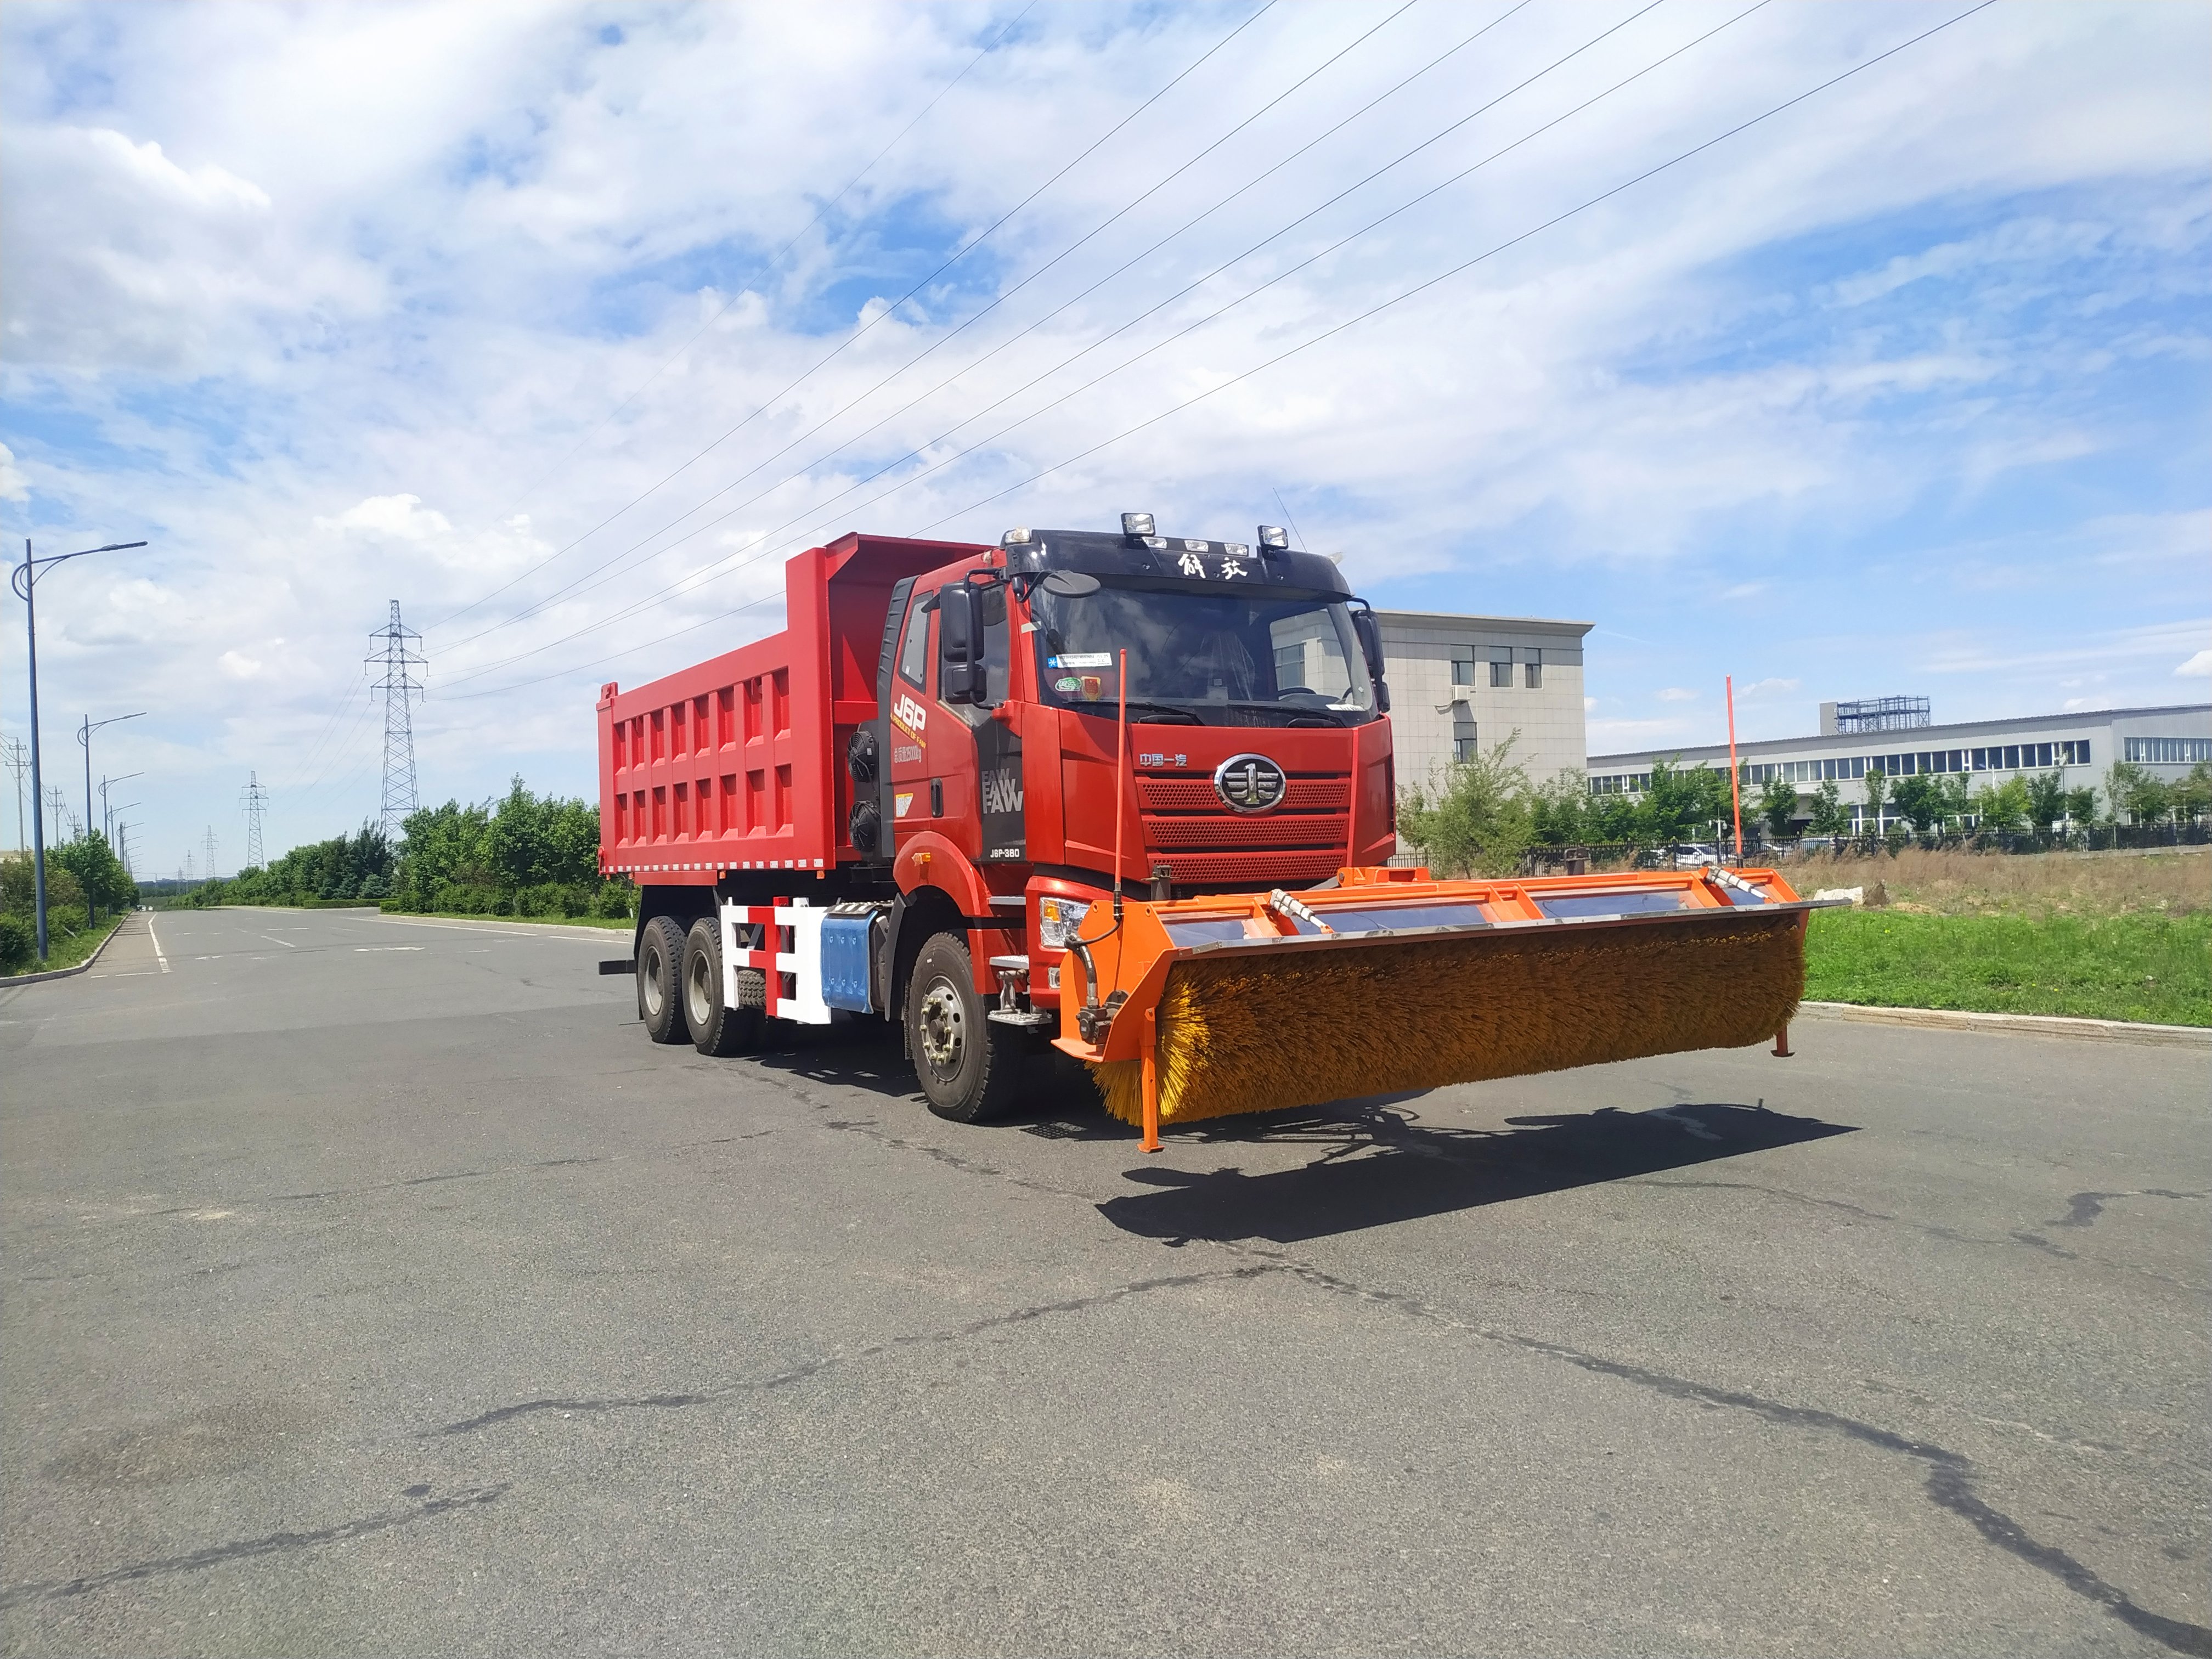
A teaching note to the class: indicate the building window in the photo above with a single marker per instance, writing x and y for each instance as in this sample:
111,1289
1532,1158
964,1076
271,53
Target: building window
1532,671
1501,670
1463,744
2168,751
1463,670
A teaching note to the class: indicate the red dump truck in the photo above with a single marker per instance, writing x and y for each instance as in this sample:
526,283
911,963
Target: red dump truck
1115,793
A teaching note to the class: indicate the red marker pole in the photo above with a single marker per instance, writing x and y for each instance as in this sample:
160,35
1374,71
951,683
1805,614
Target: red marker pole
1735,777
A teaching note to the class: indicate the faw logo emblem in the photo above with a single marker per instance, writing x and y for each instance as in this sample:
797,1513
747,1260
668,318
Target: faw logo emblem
1249,783
908,716
1002,790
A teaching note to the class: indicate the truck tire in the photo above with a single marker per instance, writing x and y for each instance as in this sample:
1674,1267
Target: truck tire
716,1028
659,1001
970,1069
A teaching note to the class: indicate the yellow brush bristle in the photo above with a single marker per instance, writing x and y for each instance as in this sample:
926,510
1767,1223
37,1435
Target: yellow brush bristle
1253,1033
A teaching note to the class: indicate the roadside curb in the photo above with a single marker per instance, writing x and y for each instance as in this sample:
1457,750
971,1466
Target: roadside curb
1954,1019
99,950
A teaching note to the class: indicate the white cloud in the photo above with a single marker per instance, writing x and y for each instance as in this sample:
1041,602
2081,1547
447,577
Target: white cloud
1768,688
1676,693
2196,666
14,487
403,517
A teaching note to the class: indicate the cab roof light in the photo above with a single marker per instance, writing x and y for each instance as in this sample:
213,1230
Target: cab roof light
1017,537
1275,536
1137,524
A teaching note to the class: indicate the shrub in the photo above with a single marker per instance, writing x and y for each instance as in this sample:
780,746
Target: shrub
19,943
614,898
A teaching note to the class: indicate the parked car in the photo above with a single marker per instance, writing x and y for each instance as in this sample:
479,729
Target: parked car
1695,856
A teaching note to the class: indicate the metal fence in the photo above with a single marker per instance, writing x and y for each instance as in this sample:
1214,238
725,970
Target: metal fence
2098,838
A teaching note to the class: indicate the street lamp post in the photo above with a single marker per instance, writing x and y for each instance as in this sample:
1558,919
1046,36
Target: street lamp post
84,738
24,579
107,812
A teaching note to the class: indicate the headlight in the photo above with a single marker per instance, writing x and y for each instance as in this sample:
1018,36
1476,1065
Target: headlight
1059,920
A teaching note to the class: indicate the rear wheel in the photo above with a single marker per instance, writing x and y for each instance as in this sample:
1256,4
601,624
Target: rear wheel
716,1028
970,1068
659,950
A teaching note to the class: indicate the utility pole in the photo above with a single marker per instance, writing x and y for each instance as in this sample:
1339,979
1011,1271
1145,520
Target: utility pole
24,579
396,654
17,757
253,803
123,847
57,805
211,852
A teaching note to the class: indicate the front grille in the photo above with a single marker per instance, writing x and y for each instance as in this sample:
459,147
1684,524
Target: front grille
1225,830
1290,867
1305,794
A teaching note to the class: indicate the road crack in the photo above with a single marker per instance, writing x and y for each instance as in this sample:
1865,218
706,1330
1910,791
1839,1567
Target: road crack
218,1555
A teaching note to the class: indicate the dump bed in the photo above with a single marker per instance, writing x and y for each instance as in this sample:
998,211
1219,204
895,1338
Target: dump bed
738,762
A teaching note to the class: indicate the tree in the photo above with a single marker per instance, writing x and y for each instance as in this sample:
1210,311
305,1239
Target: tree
2002,807
2190,797
1559,812
1917,797
1682,802
1473,818
1877,792
1829,817
2135,791
100,874
2046,800
1954,800
1778,804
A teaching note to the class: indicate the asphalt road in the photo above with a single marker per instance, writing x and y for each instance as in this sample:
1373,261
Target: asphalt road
376,1285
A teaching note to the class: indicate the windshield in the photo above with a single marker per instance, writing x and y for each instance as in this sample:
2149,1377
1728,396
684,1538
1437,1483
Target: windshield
1225,656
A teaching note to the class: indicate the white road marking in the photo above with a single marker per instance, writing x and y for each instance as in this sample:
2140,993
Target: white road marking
286,943
364,950
156,938
554,932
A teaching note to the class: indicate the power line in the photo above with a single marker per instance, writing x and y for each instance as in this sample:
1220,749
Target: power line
1273,102
854,337
398,659
647,601
1339,328
767,265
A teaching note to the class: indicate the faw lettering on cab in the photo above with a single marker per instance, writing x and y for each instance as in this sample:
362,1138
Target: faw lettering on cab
1002,791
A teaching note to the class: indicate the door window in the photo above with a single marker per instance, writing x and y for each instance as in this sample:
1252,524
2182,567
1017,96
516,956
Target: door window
914,644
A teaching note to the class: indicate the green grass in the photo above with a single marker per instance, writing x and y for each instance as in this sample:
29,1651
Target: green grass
2133,966
65,950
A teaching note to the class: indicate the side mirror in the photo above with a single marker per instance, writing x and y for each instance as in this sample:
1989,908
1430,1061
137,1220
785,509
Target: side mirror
1371,647
959,644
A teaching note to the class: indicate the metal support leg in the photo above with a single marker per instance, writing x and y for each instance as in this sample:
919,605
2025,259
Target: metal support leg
1152,1082
1781,1041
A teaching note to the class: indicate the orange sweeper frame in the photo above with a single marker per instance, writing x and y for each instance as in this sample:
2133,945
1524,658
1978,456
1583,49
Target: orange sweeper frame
1384,979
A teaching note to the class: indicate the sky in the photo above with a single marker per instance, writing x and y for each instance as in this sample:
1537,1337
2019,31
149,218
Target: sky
1848,349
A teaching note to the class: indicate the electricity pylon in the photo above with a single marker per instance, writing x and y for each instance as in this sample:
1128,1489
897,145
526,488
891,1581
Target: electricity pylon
396,654
211,852
253,802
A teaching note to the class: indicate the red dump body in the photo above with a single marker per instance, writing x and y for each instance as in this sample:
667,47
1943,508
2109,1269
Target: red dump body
736,763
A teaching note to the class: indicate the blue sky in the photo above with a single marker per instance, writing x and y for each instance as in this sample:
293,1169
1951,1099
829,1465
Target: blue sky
1905,389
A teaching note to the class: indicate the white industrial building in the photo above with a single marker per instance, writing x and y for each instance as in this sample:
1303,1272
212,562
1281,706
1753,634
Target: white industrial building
1458,684
1857,738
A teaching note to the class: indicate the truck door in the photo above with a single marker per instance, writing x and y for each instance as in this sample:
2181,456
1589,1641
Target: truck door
911,695
998,741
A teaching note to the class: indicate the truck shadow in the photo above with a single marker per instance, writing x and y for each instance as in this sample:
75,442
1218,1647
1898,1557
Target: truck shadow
1383,1167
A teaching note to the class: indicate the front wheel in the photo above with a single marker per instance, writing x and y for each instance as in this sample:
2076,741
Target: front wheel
970,1068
